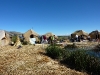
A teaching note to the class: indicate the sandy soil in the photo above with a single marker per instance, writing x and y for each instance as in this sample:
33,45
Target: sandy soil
30,60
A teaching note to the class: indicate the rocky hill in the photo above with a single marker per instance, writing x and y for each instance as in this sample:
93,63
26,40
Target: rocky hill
13,33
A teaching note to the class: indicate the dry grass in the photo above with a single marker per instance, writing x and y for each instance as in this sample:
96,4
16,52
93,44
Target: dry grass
29,60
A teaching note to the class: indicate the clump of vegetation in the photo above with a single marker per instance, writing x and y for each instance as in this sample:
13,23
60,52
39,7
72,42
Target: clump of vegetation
80,60
14,38
93,65
54,51
77,59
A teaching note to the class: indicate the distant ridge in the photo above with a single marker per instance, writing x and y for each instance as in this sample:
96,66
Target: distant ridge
13,33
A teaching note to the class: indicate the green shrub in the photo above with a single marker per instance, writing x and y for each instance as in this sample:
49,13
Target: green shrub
54,52
80,60
14,38
77,59
66,54
93,65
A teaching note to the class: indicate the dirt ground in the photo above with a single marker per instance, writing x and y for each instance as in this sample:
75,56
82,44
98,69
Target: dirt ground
30,60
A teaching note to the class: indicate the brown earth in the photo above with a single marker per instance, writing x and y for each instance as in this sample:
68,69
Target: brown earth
30,60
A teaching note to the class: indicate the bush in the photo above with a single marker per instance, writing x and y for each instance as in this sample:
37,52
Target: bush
54,52
80,60
77,59
93,65
14,38
66,54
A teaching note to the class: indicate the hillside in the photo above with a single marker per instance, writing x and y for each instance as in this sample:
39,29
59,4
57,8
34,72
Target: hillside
13,33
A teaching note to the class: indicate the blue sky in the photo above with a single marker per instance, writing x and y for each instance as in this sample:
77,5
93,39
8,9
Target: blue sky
61,17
